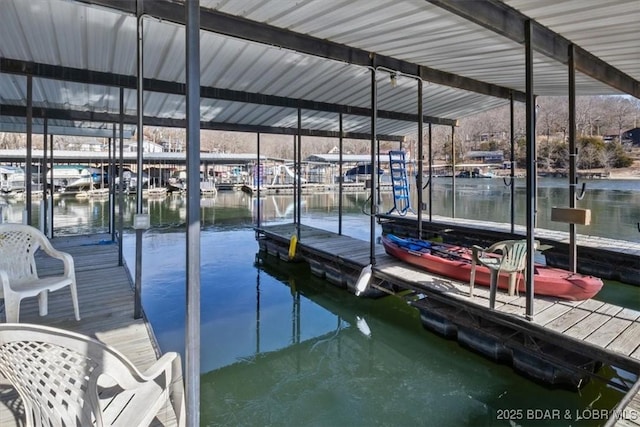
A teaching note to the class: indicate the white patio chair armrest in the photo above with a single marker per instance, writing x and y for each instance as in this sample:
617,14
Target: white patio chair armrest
162,365
498,246
476,251
170,366
477,248
67,259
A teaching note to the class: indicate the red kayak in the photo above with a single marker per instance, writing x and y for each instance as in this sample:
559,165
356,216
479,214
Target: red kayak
455,262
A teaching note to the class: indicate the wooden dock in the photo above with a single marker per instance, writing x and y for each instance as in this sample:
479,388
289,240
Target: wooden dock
105,295
587,331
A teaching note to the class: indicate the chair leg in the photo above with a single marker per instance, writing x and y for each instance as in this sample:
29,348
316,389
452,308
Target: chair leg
74,298
493,289
512,283
472,278
43,302
12,308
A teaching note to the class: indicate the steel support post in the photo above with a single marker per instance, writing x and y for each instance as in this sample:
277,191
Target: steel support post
374,167
419,156
27,167
298,175
137,308
453,172
121,179
340,146
111,182
257,178
192,339
52,186
430,174
531,170
512,159
43,179
573,180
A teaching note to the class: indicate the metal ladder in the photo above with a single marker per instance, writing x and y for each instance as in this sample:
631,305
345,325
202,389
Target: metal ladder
399,183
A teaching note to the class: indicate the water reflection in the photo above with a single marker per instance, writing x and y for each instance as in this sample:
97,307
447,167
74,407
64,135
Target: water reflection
315,355
615,207
614,204
282,347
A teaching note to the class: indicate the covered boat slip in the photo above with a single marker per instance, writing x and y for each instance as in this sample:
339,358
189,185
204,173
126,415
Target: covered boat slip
106,302
316,62
594,329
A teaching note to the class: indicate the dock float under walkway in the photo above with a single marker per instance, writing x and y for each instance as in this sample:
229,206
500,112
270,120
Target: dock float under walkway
565,342
106,300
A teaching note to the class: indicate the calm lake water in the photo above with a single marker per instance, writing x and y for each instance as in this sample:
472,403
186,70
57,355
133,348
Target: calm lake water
281,347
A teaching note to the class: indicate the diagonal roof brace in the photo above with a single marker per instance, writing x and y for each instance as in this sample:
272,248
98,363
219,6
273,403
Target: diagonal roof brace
509,22
241,28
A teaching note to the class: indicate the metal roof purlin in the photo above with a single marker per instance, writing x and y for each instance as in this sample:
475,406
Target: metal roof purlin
77,75
509,22
52,113
241,28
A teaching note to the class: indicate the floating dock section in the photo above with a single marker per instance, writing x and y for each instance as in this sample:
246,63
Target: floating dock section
564,345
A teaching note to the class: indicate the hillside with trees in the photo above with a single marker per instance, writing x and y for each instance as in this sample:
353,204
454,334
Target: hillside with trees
600,122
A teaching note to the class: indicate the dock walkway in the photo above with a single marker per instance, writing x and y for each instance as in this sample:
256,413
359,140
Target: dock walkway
106,297
602,331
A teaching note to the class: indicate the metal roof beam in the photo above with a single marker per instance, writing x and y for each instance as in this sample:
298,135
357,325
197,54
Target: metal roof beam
509,22
77,75
233,26
38,129
89,116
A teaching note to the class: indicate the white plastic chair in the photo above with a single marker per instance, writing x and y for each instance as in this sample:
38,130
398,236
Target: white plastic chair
512,261
68,379
19,275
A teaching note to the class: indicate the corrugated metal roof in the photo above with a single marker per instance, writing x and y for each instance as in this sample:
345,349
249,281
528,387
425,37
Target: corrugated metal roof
608,29
77,35
425,34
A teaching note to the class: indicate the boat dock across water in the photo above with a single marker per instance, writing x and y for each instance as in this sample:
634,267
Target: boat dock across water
564,344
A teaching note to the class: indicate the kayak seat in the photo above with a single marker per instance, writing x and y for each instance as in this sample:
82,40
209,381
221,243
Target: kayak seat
507,256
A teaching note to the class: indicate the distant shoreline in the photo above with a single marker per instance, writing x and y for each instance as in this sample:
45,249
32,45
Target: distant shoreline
632,173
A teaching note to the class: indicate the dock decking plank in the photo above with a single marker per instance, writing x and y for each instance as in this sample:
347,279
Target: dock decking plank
567,320
629,314
608,331
609,309
588,305
587,326
551,313
627,341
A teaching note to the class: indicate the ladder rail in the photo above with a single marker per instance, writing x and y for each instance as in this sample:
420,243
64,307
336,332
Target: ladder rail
399,183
